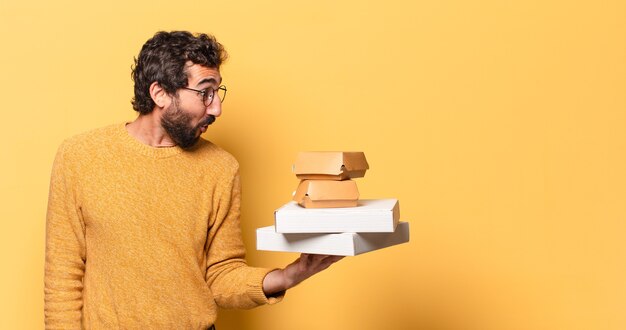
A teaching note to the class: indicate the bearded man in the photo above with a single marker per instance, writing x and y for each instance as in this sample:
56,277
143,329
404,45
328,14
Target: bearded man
143,228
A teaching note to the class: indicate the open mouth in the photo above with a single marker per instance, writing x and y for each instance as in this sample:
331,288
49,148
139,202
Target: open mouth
207,122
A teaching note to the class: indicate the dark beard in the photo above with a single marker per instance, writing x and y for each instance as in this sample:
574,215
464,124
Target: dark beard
176,124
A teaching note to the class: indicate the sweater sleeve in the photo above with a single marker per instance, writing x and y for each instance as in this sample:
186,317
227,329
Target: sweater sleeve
234,284
65,250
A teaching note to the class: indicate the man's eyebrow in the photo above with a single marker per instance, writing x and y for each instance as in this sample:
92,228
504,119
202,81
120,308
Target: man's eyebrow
207,80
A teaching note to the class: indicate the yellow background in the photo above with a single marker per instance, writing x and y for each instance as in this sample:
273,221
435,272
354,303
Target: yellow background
498,124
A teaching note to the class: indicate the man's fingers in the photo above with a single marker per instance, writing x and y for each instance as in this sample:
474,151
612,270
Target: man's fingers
313,263
336,258
317,258
329,260
309,259
320,262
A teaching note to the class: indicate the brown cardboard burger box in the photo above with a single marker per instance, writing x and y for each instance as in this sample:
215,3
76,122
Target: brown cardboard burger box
326,193
330,165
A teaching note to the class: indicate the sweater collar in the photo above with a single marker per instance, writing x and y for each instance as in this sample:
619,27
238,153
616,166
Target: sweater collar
144,149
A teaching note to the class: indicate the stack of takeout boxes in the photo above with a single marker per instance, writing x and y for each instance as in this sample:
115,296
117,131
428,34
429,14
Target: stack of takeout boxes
326,215
326,178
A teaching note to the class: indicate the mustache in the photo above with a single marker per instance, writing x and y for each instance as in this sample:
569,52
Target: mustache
208,121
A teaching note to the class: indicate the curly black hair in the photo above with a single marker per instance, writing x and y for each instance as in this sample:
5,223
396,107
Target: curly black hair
162,59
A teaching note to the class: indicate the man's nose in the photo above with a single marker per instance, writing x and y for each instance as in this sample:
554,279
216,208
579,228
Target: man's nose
215,108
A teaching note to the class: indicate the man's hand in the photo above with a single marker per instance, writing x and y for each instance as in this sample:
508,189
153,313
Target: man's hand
304,267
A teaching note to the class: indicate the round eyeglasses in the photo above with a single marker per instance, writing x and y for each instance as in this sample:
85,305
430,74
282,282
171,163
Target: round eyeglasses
209,94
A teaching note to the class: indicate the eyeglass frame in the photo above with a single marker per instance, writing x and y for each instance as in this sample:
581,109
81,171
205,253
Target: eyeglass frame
205,96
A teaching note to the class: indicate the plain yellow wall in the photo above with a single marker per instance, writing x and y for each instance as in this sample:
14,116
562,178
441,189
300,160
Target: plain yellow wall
498,124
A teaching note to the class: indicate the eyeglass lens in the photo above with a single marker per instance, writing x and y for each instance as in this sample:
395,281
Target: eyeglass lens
221,93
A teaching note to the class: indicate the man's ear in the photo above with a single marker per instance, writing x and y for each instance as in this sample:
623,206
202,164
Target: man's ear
159,95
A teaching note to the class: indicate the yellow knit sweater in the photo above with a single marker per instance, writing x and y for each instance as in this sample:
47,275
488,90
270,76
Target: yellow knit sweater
144,238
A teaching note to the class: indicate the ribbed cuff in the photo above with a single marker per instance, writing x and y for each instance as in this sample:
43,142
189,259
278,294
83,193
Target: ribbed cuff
255,288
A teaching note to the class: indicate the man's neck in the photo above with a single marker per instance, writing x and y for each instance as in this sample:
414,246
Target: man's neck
148,130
